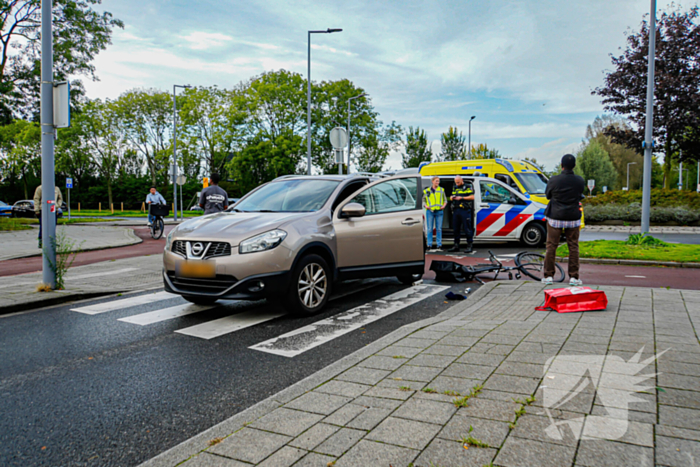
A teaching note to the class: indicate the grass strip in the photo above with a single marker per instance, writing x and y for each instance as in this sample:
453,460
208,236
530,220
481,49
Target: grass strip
618,249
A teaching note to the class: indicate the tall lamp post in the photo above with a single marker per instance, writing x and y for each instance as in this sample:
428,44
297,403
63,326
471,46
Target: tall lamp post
649,124
308,96
175,170
628,174
470,135
349,140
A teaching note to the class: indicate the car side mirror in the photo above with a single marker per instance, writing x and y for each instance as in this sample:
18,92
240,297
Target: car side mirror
352,210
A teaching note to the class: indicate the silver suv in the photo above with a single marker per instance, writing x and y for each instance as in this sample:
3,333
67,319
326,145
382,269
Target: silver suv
294,237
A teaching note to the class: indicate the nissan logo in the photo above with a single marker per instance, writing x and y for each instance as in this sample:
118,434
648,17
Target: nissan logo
197,248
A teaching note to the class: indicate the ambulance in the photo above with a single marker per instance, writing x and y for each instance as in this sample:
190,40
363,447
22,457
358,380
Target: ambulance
509,198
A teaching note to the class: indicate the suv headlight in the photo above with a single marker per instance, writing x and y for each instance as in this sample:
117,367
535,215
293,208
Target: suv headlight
169,239
262,242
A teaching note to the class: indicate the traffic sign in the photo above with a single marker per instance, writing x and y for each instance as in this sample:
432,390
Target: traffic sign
181,179
69,183
339,137
591,184
605,189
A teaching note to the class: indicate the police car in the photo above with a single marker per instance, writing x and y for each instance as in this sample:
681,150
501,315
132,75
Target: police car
501,213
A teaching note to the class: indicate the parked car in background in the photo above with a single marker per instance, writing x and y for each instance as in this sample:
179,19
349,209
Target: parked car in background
5,209
25,209
294,237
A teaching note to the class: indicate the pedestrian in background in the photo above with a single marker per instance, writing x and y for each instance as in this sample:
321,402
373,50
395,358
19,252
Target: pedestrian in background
435,202
153,197
564,192
462,206
213,198
58,198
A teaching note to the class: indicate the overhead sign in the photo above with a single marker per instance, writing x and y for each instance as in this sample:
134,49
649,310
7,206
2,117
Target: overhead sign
69,183
339,137
61,104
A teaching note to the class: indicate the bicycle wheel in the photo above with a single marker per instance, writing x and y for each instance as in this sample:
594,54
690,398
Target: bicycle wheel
532,265
157,228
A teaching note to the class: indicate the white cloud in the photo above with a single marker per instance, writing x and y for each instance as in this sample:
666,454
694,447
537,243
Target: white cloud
200,40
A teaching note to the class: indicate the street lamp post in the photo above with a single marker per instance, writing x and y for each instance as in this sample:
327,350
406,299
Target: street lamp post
308,96
175,86
349,140
470,135
649,124
628,174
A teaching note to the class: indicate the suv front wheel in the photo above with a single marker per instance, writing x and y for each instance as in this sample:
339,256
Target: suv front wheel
310,286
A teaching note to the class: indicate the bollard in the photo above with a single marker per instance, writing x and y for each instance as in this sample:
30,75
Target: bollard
78,207
100,207
112,207
143,207
122,207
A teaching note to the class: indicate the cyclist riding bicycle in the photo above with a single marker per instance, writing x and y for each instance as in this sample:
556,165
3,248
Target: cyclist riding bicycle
153,198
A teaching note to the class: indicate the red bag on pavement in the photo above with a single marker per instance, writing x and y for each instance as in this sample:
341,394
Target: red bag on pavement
574,299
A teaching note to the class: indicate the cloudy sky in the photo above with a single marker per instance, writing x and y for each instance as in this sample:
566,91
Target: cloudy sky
524,68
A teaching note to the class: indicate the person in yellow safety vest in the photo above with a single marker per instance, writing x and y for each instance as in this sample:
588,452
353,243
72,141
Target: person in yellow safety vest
462,207
435,202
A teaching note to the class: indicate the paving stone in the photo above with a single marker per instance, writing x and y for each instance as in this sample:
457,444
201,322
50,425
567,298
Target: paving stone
449,383
369,418
631,415
437,361
313,436
588,338
679,368
416,373
406,433
641,434
571,348
211,460
382,363
581,402
430,334
678,356
390,393
494,338
434,396
675,432
452,350
499,395
316,402
460,341
528,370
601,453
250,445
512,384
425,410
499,349
343,388
463,370
314,459
491,432
670,380
517,452
344,415
378,402
481,359
449,453
415,342
370,453
340,442
538,347
540,428
678,416
284,457
677,452
489,409
621,399
529,357
399,383
361,375
286,421
399,351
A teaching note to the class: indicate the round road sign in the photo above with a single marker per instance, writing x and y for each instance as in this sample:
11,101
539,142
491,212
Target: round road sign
339,137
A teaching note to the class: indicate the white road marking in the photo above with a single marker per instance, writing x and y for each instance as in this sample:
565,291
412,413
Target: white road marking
165,314
509,255
305,338
123,303
637,277
228,324
80,276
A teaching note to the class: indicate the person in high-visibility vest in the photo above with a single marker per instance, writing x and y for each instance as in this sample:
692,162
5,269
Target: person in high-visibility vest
435,202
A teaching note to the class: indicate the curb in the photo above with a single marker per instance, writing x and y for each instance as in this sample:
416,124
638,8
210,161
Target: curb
193,446
633,262
59,299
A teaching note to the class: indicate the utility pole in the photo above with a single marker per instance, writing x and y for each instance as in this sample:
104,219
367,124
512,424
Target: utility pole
470,136
175,168
649,126
48,182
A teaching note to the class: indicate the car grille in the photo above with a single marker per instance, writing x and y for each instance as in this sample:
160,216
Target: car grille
215,249
215,285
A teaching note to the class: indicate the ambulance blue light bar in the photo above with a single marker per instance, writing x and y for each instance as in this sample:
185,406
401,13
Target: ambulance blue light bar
506,164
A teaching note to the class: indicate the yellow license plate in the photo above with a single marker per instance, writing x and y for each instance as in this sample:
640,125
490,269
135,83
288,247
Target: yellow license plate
197,269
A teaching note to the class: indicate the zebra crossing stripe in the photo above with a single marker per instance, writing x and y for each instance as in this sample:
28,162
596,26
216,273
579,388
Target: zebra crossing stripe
123,303
164,314
229,324
305,338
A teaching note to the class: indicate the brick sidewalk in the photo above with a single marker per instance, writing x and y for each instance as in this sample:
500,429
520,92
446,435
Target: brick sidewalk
469,388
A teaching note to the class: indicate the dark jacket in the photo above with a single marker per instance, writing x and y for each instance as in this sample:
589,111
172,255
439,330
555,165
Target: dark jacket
564,192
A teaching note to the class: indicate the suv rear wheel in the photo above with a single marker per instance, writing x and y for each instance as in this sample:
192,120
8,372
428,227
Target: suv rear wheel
310,286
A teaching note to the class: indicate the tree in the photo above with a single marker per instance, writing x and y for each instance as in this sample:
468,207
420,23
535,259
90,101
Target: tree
79,34
416,148
620,155
482,151
453,145
276,102
20,147
676,88
593,163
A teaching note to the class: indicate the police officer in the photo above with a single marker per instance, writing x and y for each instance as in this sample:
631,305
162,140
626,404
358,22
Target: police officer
462,203
435,202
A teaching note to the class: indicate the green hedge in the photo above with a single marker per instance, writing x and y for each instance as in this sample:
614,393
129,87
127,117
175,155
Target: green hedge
633,213
660,197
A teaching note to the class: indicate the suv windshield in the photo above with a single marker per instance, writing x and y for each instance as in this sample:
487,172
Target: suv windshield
289,196
534,183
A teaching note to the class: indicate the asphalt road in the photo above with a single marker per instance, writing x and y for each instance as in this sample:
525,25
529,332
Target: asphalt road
79,389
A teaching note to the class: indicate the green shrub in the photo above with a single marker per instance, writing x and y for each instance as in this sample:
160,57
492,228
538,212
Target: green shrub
659,197
632,212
